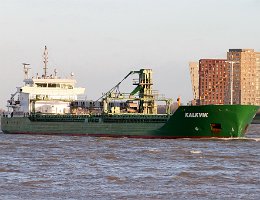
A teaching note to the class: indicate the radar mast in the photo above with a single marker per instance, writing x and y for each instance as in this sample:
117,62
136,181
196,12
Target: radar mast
26,69
45,61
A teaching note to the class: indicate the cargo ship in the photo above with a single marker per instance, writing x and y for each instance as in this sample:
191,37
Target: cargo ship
48,104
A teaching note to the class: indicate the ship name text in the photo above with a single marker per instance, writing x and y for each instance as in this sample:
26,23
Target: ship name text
196,114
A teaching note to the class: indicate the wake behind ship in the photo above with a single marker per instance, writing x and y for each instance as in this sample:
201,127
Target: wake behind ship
49,104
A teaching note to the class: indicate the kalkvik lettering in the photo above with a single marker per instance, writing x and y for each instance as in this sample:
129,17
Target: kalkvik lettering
196,114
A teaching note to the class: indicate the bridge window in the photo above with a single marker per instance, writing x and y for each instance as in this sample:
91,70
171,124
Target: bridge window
41,84
66,86
54,85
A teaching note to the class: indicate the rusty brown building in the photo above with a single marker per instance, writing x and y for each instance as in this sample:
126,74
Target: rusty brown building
213,81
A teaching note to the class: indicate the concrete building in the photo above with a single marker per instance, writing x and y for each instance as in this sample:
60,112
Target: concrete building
213,81
194,75
257,54
243,79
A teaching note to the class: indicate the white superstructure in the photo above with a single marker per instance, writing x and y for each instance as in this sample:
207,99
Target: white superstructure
45,94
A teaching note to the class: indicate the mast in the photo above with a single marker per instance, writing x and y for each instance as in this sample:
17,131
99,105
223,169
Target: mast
26,69
45,61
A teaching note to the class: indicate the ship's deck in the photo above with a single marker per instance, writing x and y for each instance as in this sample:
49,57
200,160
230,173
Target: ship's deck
97,118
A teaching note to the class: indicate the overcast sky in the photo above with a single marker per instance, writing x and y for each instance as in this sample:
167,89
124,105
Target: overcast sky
102,40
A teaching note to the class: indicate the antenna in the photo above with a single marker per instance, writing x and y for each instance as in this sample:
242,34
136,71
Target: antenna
26,70
45,61
55,72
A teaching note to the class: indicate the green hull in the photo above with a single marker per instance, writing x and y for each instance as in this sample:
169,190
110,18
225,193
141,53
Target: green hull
207,121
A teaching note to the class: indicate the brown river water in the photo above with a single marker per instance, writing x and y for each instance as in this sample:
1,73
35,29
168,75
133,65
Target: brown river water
64,167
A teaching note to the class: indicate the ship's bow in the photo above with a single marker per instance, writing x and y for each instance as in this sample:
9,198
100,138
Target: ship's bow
210,121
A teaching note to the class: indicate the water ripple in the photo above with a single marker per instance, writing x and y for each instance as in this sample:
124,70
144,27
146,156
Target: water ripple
55,167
